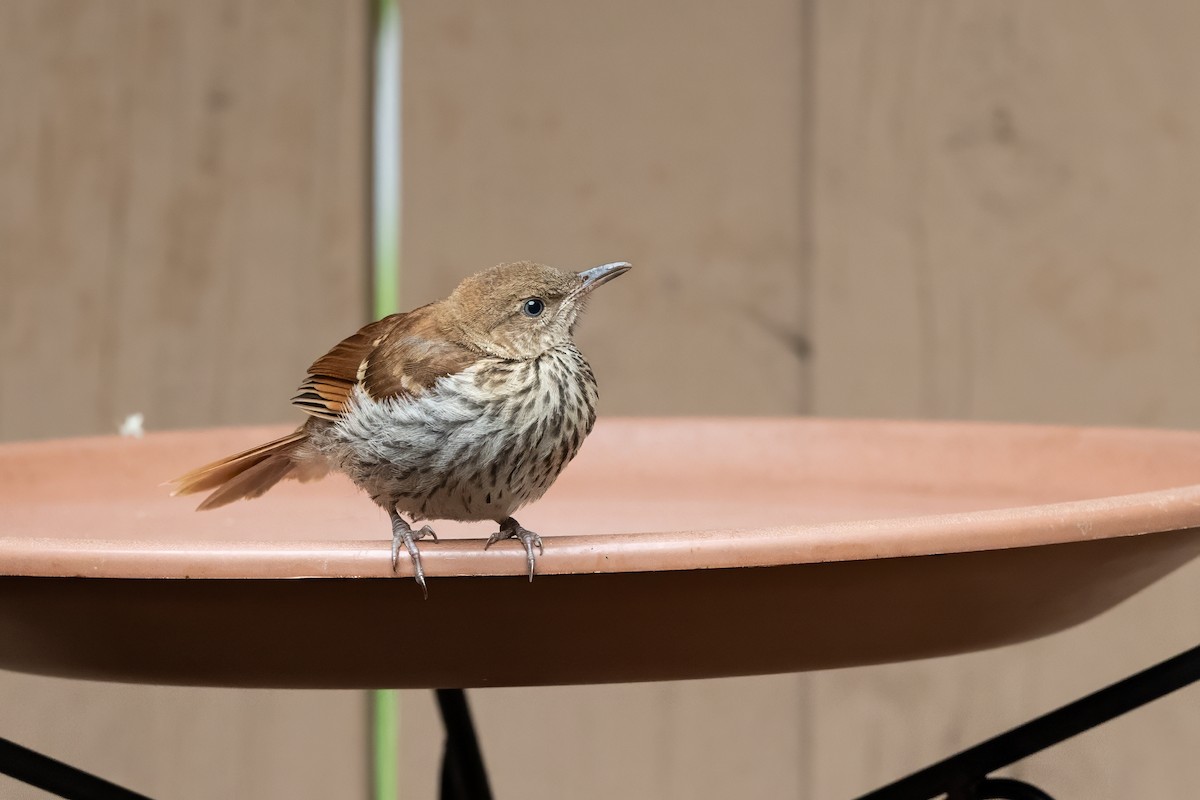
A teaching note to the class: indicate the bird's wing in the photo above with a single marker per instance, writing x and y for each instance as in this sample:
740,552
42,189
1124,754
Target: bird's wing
398,356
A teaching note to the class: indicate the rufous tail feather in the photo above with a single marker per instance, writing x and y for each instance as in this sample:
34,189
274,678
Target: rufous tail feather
247,474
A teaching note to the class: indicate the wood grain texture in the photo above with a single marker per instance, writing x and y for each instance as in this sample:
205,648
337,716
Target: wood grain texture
1005,228
698,739
580,133
182,230
193,743
1005,225
181,206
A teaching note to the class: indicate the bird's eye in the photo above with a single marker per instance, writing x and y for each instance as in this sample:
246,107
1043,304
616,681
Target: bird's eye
533,307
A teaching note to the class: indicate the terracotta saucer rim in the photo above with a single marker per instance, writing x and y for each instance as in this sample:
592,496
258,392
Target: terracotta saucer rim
1135,514
1140,514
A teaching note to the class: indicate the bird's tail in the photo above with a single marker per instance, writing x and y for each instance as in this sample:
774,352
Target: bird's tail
247,474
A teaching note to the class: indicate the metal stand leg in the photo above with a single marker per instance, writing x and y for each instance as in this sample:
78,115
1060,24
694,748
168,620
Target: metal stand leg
463,774
56,777
964,776
1000,789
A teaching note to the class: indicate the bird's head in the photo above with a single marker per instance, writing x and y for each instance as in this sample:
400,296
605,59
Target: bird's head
519,311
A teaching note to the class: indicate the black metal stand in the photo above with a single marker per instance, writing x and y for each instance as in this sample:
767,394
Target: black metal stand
56,777
964,776
961,777
463,774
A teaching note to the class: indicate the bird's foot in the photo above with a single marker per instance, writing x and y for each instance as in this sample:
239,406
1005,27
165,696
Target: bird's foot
511,529
402,533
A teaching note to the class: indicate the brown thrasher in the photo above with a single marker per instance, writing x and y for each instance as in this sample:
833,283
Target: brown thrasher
464,409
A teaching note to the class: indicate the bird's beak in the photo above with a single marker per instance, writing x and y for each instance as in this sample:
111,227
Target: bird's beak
602,274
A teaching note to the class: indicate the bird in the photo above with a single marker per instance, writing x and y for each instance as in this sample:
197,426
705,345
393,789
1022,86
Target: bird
464,409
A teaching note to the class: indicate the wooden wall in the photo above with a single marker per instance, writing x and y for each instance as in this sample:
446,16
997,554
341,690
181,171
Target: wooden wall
182,193
930,209
937,209
579,133
1005,226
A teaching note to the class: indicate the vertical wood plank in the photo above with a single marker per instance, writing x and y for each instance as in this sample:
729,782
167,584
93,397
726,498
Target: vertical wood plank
1006,216
1005,228
698,739
182,207
663,134
192,743
182,227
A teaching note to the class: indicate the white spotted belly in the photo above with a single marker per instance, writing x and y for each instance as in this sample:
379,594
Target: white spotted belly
477,446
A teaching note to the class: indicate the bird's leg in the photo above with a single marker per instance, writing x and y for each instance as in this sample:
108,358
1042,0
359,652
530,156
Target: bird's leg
511,529
402,533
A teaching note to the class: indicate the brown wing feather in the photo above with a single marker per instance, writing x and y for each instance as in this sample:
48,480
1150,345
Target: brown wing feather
413,356
325,393
344,359
398,356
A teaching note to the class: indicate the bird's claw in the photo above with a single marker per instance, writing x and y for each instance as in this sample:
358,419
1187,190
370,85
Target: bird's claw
403,534
511,529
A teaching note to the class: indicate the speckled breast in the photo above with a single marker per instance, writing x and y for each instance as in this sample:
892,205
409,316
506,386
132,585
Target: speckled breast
481,444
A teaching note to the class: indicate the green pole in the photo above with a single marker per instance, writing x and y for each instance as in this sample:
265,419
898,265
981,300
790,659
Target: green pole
385,223
385,735
385,160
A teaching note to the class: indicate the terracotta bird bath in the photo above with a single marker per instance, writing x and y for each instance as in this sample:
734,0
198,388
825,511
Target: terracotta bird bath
681,548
